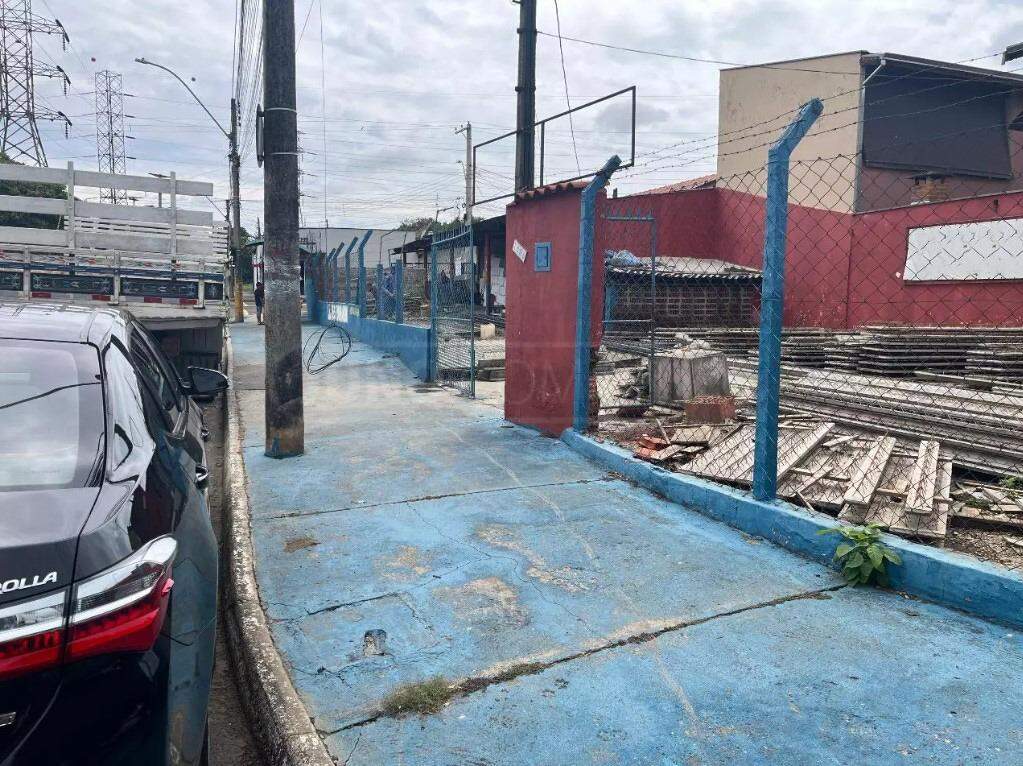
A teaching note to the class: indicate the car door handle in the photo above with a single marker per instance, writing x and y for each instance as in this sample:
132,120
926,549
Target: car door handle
202,476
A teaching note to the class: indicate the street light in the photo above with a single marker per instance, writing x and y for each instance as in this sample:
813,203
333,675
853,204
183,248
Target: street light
232,139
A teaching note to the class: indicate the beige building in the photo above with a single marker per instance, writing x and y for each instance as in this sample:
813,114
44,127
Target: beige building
895,129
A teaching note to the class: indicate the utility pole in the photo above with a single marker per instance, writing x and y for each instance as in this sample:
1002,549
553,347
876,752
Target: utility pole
469,200
525,117
232,141
236,214
285,425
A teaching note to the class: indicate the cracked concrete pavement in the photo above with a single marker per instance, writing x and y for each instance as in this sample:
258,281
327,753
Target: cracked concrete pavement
582,620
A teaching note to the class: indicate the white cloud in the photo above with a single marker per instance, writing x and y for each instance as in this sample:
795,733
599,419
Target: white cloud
400,76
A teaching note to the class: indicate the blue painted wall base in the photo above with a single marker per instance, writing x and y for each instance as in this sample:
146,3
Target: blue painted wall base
409,343
946,578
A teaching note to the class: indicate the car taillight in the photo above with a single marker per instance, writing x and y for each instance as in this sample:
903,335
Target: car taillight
31,634
122,609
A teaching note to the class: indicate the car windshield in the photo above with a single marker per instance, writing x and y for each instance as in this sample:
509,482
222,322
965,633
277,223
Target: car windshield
51,415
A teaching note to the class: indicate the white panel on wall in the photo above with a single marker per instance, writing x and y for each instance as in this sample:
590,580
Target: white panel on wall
966,251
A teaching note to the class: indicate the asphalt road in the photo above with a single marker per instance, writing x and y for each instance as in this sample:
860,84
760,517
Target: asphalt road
230,735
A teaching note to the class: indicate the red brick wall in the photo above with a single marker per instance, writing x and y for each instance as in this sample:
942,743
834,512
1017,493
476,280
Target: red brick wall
878,294
843,270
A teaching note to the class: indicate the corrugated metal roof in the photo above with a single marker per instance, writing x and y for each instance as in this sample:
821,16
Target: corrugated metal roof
683,267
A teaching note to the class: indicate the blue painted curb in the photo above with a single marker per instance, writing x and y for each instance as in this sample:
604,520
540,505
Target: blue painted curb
946,578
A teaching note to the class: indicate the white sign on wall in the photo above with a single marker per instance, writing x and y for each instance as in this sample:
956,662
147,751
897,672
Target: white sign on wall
519,250
966,251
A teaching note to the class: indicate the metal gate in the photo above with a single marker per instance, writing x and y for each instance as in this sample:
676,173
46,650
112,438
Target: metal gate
453,307
630,338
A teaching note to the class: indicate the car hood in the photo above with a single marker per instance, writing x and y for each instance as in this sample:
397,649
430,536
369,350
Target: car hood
38,536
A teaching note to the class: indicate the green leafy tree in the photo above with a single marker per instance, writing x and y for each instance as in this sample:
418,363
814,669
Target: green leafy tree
27,189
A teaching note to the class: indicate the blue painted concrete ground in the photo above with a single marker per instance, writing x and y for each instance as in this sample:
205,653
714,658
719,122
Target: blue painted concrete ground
638,632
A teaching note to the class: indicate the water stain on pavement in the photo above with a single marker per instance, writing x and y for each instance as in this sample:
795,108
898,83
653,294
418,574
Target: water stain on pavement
566,578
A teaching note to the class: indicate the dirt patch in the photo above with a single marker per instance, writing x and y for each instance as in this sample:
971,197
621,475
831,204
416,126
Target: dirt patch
489,601
409,562
298,543
1003,548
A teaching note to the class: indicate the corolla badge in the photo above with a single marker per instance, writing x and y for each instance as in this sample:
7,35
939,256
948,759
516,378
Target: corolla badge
6,586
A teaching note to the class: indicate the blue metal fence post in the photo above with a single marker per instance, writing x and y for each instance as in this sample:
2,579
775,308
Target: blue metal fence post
380,292
330,271
310,287
362,272
335,292
348,269
587,222
399,292
434,298
765,454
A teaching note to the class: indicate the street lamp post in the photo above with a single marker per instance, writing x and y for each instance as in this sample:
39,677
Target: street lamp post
235,159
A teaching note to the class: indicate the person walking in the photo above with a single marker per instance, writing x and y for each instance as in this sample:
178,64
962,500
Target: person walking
259,294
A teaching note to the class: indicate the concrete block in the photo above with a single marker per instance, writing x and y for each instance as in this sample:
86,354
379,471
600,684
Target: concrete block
686,373
488,331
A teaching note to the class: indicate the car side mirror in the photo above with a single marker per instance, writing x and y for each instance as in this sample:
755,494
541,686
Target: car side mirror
206,382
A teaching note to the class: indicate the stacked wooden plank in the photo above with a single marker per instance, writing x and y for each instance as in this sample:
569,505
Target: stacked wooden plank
731,459
907,493
863,479
982,430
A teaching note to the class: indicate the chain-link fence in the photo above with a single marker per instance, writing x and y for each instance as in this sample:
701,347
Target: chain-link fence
889,383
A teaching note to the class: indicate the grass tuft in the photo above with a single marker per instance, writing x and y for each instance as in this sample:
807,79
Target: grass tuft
422,698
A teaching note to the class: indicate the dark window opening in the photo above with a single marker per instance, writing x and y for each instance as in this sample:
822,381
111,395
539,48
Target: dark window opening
942,124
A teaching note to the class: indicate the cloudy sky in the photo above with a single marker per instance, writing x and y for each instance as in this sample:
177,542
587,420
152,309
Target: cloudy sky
382,85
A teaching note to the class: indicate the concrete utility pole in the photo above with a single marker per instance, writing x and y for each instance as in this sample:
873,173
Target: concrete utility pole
236,214
469,201
525,117
285,425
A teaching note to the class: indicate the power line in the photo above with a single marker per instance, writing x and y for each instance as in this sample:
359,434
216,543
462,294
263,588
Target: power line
564,75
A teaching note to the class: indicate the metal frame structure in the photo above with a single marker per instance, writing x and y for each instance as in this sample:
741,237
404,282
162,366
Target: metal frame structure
650,220
110,131
587,224
448,328
20,140
542,124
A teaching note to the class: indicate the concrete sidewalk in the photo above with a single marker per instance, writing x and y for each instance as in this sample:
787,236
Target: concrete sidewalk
586,621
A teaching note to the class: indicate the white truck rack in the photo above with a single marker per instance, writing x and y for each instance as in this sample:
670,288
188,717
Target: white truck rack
163,262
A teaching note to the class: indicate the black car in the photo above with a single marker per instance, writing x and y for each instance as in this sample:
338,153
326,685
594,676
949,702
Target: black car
108,562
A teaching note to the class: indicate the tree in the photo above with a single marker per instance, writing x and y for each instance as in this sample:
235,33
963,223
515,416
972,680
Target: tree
245,256
30,189
415,224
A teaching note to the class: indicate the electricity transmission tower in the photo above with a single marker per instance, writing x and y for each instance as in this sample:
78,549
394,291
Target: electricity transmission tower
110,131
20,139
